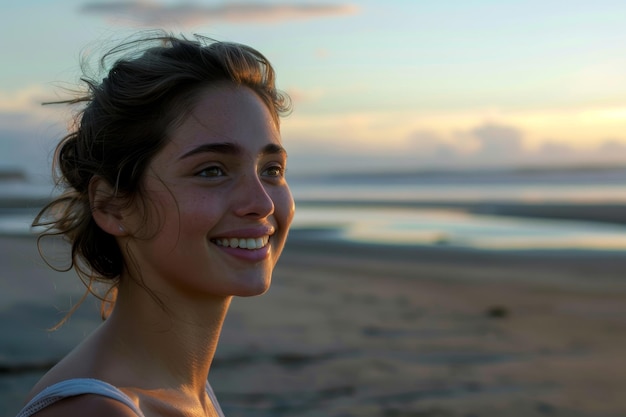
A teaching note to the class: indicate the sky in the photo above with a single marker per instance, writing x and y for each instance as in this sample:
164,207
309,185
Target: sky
376,85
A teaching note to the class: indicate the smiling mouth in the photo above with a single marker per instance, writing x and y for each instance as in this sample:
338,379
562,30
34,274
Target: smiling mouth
249,243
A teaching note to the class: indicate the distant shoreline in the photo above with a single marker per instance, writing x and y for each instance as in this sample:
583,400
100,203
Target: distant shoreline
613,213
22,203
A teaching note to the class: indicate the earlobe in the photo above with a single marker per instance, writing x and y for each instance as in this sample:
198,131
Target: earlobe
106,207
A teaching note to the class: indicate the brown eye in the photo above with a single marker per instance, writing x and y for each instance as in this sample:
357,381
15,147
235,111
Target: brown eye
274,171
212,171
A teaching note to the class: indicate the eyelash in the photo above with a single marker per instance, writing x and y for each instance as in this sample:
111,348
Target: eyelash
215,171
280,169
211,168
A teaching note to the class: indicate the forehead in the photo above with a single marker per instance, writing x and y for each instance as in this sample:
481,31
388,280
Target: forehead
226,113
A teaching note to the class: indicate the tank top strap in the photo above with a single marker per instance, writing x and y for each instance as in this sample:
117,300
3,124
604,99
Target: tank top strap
80,386
216,404
74,387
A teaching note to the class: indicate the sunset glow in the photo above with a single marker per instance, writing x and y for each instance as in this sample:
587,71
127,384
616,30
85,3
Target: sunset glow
404,83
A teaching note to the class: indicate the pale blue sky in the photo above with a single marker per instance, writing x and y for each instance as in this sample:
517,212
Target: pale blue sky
397,83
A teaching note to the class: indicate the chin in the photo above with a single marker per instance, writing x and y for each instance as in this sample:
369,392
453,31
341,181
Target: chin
253,287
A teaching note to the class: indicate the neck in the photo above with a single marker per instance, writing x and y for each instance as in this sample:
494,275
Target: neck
170,344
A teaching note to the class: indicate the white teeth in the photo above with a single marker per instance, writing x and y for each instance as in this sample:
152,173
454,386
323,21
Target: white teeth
243,243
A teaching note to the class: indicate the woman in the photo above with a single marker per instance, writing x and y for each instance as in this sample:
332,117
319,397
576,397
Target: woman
176,197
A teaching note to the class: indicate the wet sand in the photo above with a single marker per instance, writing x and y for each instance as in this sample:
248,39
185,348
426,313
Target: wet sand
367,330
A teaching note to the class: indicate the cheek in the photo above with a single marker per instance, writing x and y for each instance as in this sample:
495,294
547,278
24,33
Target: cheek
284,206
165,215
202,212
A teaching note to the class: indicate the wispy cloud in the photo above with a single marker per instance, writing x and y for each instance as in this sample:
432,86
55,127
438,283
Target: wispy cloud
22,100
149,13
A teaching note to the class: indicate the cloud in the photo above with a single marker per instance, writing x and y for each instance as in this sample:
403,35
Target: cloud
148,13
431,145
299,95
497,145
498,140
322,53
28,130
613,146
483,143
555,147
25,99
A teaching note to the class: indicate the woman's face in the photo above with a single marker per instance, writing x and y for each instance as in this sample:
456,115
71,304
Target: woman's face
220,207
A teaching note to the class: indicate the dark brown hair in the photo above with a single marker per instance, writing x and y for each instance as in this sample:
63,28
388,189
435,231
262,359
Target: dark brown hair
150,87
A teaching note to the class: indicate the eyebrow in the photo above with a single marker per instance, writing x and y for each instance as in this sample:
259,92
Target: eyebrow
229,148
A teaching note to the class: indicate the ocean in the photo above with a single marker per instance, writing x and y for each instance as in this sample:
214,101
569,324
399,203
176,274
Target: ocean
531,209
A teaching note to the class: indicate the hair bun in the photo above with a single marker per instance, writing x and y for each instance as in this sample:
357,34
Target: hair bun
70,165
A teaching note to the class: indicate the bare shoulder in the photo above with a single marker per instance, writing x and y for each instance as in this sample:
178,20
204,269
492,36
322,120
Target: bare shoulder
87,405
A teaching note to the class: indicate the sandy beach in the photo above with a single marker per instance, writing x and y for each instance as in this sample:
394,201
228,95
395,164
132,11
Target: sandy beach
372,330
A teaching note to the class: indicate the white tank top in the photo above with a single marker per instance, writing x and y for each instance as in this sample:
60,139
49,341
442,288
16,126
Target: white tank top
80,386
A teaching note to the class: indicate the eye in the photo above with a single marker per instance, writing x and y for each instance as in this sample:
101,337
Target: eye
274,171
212,171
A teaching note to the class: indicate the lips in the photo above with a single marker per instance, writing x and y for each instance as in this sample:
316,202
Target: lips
249,243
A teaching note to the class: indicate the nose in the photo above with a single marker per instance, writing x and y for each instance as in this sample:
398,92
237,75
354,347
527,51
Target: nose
253,200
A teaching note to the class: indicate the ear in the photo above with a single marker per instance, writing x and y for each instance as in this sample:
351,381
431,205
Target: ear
106,207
